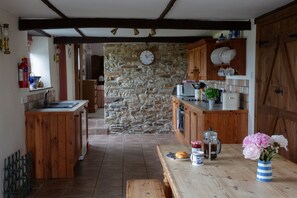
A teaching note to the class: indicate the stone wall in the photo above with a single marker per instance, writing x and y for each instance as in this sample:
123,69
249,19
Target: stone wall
138,97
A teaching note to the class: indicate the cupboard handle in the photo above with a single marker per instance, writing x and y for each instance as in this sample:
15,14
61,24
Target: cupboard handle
278,91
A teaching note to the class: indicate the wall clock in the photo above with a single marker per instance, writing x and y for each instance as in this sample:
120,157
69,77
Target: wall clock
146,57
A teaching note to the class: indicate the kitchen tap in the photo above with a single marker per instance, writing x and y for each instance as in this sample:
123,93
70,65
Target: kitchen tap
45,102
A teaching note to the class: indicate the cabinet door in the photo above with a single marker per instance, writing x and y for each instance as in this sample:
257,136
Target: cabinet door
78,134
187,123
193,125
203,62
196,69
191,62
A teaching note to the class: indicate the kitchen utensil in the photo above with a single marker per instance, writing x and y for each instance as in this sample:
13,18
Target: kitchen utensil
229,71
212,145
221,72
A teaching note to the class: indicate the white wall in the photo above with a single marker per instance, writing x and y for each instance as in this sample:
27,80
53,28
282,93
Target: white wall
250,72
12,118
12,133
70,72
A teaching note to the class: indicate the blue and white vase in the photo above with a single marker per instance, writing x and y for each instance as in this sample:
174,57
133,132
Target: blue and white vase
264,171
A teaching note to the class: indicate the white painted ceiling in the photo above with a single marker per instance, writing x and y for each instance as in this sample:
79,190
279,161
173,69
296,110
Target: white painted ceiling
141,9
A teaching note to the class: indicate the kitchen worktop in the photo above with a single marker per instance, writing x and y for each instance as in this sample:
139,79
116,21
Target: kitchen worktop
203,106
80,104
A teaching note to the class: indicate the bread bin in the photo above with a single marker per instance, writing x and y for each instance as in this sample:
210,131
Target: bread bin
230,101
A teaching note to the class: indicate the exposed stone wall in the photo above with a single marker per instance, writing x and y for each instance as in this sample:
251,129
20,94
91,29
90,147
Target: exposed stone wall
138,97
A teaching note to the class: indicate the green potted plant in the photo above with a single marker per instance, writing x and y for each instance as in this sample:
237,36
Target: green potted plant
211,95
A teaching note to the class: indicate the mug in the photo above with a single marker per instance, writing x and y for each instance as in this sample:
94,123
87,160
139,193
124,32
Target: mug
197,158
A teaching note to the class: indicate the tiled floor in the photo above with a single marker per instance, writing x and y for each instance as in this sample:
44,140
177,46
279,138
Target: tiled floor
111,160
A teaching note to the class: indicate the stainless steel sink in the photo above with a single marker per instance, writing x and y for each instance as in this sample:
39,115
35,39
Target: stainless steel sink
62,104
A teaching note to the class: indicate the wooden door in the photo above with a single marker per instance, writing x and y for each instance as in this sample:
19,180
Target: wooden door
277,81
267,75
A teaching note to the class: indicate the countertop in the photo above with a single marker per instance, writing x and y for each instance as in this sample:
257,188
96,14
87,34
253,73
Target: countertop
203,106
60,110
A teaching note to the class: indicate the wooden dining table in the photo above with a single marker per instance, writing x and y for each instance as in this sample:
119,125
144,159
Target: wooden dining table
230,175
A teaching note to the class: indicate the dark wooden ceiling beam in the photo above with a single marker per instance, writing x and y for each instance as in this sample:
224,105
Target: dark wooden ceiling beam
66,40
29,24
167,9
57,11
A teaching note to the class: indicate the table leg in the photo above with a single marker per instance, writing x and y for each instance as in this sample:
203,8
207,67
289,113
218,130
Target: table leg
167,188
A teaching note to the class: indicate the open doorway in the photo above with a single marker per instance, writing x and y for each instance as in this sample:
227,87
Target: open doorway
93,87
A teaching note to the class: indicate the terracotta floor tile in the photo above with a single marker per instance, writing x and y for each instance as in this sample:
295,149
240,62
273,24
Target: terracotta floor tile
79,191
109,182
112,159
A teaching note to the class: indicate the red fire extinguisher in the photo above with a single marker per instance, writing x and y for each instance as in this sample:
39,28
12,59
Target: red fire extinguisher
23,73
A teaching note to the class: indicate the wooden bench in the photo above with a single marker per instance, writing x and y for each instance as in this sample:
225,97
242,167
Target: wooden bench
144,188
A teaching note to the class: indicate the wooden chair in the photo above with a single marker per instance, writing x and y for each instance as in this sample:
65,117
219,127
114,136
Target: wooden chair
144,188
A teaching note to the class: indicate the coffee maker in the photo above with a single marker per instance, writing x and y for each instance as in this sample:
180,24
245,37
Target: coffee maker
211,144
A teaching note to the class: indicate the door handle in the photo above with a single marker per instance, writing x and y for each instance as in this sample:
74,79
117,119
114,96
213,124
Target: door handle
278,91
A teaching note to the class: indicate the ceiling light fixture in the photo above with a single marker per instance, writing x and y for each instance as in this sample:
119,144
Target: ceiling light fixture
153,32
136,32
114,31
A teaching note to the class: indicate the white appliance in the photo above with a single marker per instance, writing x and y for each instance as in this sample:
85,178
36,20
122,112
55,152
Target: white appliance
230,101
179,90
84,120
188,89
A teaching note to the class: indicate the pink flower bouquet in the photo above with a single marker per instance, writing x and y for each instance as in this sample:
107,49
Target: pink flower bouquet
263,147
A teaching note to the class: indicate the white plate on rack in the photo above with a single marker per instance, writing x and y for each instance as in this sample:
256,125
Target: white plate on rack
227,56
216,54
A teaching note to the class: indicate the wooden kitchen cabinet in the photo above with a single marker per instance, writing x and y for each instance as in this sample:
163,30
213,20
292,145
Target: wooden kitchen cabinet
199,63
231,125
276,76
200,66
55,140
90,94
